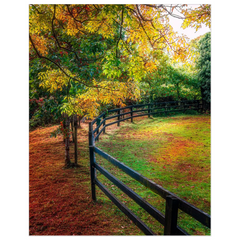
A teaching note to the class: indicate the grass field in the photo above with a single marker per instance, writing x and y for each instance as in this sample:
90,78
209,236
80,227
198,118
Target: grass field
173,152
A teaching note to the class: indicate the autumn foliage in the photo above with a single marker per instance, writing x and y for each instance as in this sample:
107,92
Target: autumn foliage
88,58
102,52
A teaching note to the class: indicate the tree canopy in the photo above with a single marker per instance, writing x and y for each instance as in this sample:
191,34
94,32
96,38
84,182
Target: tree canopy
98,54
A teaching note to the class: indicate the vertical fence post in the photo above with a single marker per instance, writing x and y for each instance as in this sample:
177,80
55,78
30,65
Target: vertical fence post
171,214
97,123
98,128
131,108
92,161
149,111
104,122
118,118
75,138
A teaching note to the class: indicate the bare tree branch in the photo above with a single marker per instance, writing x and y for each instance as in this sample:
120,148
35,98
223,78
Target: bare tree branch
48,59
55,36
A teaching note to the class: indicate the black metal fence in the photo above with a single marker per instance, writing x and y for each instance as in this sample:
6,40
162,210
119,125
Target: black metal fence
173,202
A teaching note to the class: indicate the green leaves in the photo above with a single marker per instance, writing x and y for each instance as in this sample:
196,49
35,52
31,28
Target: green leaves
204,66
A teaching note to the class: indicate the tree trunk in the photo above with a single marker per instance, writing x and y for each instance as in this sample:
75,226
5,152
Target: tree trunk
75,138
72,124
67,156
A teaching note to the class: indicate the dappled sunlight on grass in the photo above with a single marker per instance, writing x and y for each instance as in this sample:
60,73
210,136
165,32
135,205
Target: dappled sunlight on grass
173,152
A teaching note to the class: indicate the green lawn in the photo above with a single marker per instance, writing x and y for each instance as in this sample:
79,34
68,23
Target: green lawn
173,152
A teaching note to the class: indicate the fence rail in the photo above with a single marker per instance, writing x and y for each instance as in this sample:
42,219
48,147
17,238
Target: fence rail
173,202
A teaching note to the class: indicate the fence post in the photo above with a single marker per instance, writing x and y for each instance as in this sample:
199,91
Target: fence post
92,161
171,214
97,123
75,137
118,118
149,111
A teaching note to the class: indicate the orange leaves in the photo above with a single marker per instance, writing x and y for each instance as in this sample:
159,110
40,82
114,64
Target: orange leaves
40,43
151,66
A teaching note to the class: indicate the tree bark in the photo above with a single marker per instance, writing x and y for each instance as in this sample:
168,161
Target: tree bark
72,124
75,138
67,155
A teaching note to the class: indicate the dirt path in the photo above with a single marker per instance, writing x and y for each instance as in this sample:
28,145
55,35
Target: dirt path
60,199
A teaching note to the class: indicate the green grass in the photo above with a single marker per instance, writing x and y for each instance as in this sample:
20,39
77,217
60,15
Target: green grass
173,152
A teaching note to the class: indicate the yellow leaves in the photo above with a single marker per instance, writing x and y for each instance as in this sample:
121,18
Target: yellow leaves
39,22
71,29
106,92
53,80
102,93
196,17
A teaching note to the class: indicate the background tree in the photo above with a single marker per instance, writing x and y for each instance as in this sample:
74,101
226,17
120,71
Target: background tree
204,67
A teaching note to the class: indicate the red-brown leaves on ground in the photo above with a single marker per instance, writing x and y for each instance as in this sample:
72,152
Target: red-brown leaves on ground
60,199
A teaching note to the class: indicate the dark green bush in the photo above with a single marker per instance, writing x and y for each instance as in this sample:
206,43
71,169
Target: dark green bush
44,111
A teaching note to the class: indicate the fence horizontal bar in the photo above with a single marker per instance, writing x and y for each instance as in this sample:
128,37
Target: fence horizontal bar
100,124
101,115
141,105
164,107
141,115
140,201
137,176
195,212
111,123
134,116
198,214
135,106
141,110
118,109
136,220
190,105
172,110
117,115
96,138
180,231
144,114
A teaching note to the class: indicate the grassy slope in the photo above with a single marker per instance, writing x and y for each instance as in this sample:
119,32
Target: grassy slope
172,151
